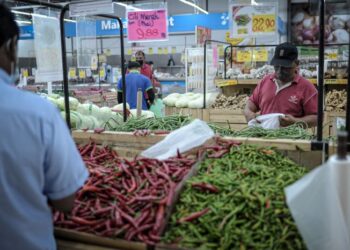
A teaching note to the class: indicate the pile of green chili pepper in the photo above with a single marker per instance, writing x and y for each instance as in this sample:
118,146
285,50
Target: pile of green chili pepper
167,123
295,131
244,206
170,123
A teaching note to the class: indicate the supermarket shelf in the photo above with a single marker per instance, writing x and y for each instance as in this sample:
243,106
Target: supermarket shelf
233,82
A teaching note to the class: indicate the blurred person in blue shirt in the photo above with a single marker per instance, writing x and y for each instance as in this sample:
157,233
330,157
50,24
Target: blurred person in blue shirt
134,81
40,166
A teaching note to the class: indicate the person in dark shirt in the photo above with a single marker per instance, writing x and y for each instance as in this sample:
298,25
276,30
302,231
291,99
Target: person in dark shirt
135,81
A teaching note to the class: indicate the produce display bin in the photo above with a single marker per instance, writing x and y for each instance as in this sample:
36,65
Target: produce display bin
194,113
233,119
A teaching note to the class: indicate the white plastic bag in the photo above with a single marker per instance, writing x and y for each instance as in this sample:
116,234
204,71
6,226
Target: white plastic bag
320,205
183,139
269,121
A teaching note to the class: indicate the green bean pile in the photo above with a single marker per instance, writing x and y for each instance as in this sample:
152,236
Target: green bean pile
167,123
170,123
295,131
248,211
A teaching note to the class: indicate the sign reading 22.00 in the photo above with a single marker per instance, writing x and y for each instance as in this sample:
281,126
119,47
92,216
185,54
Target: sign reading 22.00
147,25
253,20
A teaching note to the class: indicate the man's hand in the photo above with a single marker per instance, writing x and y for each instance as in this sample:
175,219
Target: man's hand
288,120
250,116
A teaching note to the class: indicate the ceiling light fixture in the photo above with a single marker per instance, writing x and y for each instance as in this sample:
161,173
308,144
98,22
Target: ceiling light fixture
195,6
23,22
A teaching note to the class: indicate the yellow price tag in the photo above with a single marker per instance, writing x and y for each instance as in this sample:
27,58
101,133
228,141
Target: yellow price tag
331,56
72,73
102,73
173,50
244,56
264,23
260,55
129,52
221,50
160,51
82,74
150,51
166,51
25,73
234,41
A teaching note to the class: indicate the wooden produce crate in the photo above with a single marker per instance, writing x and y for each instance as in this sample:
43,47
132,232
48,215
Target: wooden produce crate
233,119
194,113
330,122
93,240
125,143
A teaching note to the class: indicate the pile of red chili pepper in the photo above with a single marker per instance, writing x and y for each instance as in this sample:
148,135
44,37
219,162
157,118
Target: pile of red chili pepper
129,199
124,199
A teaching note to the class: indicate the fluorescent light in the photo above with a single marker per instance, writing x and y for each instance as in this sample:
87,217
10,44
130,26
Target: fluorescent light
21,13
24,22
70,20
195,6
128,6
38,15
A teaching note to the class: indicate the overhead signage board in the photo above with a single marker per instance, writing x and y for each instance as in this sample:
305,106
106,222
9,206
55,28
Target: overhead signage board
147,25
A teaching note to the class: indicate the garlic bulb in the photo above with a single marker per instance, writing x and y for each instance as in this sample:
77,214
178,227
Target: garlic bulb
341,36
298,17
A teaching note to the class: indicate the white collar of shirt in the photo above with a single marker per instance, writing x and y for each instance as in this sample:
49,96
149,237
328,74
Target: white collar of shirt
4,77
279,88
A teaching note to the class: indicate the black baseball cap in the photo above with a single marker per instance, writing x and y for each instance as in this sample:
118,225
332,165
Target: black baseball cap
133,65
285,55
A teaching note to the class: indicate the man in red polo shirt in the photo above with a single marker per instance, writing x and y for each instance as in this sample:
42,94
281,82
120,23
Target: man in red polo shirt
285,91
146,69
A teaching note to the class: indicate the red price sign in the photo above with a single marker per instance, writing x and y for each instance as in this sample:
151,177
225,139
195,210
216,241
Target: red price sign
147,25
264,23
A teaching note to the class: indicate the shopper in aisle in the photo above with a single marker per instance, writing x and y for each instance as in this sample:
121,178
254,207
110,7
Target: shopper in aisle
135,81
285,91
146,69
39,162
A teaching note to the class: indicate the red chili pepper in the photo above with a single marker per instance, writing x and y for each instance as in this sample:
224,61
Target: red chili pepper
118,218
103,210
86,149
82,221
171,193
194,216
149,178
99,156
164,175
133,185
159,218
268,203
127,217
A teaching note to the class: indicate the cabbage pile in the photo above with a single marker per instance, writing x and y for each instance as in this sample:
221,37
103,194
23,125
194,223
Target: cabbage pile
189,100
86,115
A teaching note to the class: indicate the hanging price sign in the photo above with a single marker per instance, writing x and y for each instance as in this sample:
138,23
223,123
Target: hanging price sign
264,23
166,51
260,55
147,25
244,56
252,20
150,51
